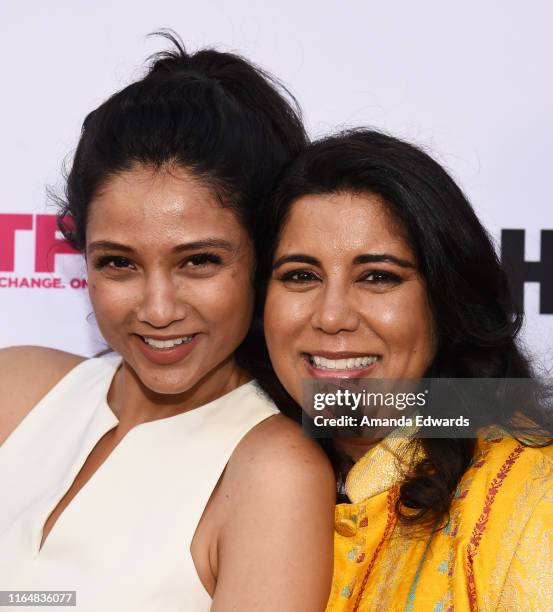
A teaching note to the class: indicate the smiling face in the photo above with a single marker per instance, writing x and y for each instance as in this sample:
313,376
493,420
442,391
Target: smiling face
345,299
169,274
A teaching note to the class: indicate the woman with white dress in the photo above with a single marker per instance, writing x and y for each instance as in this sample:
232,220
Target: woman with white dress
160,478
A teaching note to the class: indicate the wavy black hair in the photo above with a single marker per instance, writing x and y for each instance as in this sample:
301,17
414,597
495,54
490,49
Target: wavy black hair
475,317
225,120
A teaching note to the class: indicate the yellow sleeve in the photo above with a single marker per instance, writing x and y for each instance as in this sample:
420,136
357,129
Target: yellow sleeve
529,582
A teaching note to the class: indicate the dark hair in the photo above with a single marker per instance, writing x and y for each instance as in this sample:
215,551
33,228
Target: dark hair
213,113
475,318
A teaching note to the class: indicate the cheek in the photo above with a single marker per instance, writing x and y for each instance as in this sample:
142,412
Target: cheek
270,315
421,325
279,317
111,301
287,312
386,317
275,324
226,303
286,319
402,319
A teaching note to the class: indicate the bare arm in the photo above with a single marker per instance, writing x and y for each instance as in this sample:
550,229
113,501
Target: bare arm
275,548
27,373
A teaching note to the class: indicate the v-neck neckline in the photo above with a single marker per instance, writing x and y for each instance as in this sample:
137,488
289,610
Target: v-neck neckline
104,421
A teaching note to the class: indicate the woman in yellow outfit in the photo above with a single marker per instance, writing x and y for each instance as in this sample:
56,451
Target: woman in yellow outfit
376,267
495,552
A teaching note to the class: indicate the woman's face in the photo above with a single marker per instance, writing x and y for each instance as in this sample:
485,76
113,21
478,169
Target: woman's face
169,274
345,299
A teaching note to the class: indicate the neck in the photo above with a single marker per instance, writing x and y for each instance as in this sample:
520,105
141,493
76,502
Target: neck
134,403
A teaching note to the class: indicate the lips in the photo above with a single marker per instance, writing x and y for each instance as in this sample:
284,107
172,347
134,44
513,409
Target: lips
166,350
340,365
345,363
166,343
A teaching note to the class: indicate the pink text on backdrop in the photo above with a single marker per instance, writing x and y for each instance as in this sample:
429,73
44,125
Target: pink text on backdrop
47,242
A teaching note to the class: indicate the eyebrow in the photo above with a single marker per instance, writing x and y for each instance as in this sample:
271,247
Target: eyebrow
207,243
360,259
383,258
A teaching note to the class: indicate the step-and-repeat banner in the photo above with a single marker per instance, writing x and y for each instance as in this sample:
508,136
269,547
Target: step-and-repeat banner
468,83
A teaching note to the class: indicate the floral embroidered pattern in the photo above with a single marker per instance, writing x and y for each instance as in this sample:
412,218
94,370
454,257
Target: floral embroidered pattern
498,538
480,526
390,522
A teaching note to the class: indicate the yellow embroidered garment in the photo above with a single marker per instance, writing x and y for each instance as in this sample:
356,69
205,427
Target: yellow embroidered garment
495,553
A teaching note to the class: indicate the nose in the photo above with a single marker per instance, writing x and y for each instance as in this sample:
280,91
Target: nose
335,310
161,303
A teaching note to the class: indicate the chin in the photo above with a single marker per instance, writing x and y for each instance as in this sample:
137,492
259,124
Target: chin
163,381
160,387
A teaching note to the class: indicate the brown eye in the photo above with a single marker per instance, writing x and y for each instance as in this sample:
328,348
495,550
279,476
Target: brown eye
299,276
113,261
202,259
379,277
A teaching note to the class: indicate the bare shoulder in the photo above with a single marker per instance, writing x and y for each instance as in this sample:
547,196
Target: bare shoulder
275,540
278,471
277,449
27,373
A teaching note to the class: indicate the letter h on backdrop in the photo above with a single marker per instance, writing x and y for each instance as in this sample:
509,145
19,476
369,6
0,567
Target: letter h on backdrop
521,271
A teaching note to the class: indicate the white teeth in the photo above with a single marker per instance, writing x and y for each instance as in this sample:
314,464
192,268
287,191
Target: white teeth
164,344
350,363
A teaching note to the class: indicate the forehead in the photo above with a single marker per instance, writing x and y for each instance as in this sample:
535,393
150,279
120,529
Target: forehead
150,206
342,223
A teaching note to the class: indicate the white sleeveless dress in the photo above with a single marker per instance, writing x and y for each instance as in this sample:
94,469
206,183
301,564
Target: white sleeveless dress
123,542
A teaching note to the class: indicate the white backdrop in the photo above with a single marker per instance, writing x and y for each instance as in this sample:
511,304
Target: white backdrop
471,82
